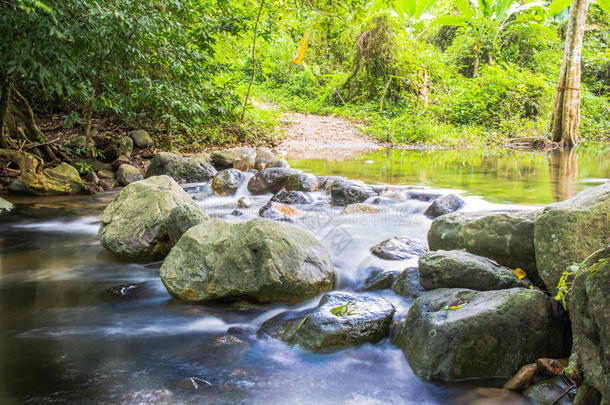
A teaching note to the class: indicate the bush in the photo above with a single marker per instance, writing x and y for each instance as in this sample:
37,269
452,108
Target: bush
498,94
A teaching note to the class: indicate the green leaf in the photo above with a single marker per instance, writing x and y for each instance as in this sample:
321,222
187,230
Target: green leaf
604,5
464,8
449,20
422,7
557,5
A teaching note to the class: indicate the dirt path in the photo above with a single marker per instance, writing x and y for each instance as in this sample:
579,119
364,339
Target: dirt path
311,136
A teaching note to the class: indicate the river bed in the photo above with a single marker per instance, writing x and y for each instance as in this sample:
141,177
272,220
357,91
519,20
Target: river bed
64,338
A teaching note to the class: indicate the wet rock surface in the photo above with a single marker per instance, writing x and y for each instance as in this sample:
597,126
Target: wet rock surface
134,224
181,219
344,192
444,205
506,237
460,269
569,231
276,211
292,197
260,259
399,248
340,320
269,180
227,181
458,334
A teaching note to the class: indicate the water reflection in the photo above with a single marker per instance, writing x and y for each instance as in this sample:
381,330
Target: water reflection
499,176
563,170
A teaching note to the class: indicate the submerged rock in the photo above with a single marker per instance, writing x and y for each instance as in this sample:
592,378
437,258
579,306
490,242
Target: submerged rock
379,279
458,334
360,208
444,205
259,259
589,303
460,269
279,212
227,181
269,180
181,169
340,320
128,174
491,396
569,231
181,219
343,192
241,158
507,237
399,248
141,138
291,197
134,224
546,392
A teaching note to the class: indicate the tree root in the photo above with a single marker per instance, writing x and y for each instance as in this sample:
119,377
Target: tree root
39,181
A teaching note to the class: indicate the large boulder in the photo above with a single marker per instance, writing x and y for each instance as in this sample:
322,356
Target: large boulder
181,169
506,237
399,248
227,181
241,158
407,283
344,192
68,175
127,174
589,303
460,269
269,180
181,219
340,320
458,334
567,232
141,138
259,259
134,225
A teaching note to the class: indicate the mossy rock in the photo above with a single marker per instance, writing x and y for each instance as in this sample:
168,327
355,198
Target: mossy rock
589,306
134,224
506,237
260,260
569,231
459,334
181,169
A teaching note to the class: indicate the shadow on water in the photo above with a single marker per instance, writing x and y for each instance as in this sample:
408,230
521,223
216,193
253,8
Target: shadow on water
64,338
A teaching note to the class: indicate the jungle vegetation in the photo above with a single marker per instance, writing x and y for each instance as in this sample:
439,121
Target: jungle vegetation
446,72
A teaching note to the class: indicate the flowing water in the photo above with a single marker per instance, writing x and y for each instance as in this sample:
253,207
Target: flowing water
64,338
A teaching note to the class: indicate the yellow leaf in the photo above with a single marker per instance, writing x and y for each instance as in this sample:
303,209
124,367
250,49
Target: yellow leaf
304,46
519,273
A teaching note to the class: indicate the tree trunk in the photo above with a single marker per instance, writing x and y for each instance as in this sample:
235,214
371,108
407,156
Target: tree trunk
566,111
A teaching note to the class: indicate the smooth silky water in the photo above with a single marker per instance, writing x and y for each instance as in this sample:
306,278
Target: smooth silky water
65,339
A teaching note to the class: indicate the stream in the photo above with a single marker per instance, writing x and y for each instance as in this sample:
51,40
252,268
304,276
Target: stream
65,338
